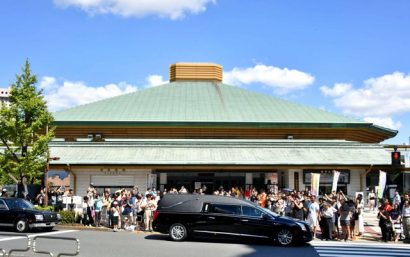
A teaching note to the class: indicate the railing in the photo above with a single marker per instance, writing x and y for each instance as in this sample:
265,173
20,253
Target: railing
6,254
32,245
56,238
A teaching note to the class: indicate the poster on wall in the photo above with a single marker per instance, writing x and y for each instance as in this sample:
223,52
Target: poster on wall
152,180
197,185
272,178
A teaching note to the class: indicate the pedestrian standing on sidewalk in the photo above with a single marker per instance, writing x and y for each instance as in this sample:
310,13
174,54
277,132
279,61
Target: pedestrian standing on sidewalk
345,212
396,220
397,198
327,217
385,220
98,205
149,212
115,215
359,222
406,219
372,200
314,215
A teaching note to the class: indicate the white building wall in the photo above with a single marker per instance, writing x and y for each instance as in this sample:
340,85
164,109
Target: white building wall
354,185
137,178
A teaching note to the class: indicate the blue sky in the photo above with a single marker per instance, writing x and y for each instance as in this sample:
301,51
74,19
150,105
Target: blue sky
350,57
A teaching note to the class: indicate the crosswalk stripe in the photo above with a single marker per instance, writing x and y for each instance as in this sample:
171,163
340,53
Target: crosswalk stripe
361,253
342,249
362,249
353,255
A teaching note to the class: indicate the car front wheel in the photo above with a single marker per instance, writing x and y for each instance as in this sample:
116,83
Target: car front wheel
285,237
21,226
178,232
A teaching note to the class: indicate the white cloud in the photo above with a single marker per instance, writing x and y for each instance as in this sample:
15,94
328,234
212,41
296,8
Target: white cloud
384,122
155,80
173,9
338,90
378,100
65,94
282,80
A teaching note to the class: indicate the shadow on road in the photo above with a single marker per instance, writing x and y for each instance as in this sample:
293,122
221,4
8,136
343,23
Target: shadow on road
259,248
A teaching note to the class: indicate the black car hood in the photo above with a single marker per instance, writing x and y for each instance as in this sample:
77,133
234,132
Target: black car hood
290,220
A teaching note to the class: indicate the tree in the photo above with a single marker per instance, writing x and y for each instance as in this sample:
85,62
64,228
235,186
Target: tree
25,131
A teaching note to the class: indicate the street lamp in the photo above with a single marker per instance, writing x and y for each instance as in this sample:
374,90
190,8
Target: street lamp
46,177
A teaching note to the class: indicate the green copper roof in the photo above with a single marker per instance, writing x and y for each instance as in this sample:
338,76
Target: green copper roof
220,152
206,102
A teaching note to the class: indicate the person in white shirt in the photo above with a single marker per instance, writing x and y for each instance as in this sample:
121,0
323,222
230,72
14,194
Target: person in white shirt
314,215
406,219
372,200
327,213
396,198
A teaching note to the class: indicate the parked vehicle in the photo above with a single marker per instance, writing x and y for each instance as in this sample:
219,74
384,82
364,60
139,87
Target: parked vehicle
182,216
21,214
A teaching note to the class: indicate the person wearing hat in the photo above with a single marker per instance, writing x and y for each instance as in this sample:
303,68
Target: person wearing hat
4,193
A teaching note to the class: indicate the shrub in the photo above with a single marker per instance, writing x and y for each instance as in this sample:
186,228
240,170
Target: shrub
67,217
48,208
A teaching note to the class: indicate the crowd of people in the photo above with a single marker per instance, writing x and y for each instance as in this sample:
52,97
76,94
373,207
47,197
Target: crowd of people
336,216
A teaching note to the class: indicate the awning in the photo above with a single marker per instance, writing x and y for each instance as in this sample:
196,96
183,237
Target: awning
219,152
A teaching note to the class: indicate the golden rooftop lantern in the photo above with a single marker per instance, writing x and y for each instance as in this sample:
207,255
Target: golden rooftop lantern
196,71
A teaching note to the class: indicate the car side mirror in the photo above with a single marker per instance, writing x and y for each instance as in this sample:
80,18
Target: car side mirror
265,216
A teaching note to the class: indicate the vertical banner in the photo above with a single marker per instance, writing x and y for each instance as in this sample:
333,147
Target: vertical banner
314,189
407,159
382,184
335,180
152,181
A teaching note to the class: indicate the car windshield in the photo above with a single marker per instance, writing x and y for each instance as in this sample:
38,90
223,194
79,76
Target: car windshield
18,204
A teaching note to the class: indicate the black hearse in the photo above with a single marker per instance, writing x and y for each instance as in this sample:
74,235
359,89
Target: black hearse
186,215
22,216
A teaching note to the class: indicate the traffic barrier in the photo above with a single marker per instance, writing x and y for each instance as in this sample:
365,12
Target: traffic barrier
56,238
6,254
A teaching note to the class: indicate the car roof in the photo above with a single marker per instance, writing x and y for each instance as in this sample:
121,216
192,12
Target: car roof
194,203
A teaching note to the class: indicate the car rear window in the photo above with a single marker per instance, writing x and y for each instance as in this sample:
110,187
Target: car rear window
226,209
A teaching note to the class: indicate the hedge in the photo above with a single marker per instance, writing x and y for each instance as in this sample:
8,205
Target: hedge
67,217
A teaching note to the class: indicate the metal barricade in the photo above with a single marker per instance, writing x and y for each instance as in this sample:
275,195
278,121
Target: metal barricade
6,254
56,238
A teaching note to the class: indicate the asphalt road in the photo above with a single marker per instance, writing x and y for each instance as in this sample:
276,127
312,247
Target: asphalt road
132,244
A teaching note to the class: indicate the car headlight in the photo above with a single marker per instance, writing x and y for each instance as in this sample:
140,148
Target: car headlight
302,226
39,217
58,216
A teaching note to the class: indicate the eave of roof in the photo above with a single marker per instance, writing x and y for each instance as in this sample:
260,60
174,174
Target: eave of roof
220,152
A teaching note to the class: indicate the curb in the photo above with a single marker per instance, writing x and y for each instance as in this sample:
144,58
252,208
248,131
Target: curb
85,228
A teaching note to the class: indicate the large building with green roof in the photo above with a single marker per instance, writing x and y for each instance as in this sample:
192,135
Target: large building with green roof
197,131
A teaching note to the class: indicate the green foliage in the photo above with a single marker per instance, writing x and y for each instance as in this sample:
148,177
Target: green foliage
23,126
67,217
45,208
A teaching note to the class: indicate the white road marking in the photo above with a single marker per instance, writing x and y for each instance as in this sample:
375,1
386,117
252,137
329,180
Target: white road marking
376,245
351,249
40,234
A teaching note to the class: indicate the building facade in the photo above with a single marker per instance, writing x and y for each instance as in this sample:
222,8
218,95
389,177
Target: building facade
196,131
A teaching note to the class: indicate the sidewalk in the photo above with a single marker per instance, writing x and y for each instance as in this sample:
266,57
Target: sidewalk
372,231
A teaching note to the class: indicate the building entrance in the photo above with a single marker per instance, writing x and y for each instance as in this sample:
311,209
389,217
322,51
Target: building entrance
212,181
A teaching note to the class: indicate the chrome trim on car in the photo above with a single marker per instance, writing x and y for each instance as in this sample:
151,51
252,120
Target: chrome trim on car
42,225
227,233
